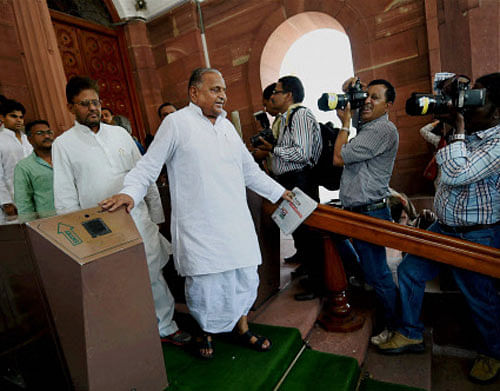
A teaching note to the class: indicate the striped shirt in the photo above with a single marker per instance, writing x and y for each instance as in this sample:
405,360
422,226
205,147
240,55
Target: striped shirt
298,145
368,163
469,190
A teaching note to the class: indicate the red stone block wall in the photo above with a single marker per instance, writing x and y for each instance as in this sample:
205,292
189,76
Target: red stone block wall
13,80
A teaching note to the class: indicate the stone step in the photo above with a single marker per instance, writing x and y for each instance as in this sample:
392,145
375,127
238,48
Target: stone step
284,310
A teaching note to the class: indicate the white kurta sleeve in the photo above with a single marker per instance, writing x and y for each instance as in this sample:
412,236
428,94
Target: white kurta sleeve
152,198
5,197
147,169
257,180
65,192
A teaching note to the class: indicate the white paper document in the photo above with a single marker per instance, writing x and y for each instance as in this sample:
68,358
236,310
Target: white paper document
290,215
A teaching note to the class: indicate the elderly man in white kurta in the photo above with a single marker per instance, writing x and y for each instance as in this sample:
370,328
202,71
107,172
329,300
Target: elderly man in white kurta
214,240
90,161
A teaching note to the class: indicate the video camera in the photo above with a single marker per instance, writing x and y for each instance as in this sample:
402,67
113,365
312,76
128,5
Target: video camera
455,90
266,133
354,95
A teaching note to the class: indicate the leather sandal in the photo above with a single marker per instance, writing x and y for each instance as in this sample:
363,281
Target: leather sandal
246,340
204,343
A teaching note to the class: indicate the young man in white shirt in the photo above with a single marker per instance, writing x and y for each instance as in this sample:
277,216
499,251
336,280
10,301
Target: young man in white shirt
14,146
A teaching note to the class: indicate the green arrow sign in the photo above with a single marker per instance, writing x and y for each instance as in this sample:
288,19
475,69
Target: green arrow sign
69,234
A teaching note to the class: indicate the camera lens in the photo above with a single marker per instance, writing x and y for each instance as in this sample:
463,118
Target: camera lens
331,101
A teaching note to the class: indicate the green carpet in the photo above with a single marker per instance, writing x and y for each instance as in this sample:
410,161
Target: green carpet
322,371
234,367
375,385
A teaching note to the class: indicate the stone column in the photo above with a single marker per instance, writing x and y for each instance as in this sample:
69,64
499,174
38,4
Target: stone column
144,71
42,62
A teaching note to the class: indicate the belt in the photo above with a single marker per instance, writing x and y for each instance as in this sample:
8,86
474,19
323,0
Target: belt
463,229
369,207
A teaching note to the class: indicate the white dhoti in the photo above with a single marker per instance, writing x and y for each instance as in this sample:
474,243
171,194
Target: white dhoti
217,301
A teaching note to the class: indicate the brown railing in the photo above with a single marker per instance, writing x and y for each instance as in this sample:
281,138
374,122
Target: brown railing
336,315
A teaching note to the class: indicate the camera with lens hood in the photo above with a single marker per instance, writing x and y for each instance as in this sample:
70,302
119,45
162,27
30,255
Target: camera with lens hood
354,95
454,91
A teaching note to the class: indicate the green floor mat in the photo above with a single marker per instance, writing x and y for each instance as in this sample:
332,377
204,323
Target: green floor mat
375,385
322,371
234,367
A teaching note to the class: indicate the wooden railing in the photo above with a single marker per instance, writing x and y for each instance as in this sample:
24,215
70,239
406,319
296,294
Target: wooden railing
336,315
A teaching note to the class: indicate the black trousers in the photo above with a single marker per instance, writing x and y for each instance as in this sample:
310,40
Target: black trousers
307,242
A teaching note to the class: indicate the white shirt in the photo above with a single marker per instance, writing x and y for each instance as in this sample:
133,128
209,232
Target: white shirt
208,169
89,167
11,152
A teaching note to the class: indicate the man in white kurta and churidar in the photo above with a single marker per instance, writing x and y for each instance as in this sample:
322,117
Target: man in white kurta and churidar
90,161
214,240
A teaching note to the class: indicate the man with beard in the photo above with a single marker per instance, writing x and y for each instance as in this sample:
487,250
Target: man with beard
14,146
33,176
467,204
213,235
368,160
90,162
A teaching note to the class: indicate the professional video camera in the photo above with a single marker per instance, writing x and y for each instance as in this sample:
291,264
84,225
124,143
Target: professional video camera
455,90
355,95
266,133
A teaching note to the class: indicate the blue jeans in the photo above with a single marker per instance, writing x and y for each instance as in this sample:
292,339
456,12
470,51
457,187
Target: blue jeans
373,261
479,291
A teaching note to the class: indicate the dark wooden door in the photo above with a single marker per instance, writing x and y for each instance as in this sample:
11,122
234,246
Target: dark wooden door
95,51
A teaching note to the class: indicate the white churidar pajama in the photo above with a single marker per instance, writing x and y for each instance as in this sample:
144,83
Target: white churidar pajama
89,167
212,230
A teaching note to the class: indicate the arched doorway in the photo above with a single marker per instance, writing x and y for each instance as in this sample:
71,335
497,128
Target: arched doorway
314,47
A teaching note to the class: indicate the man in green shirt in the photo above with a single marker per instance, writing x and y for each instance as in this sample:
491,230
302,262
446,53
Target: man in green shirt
33,175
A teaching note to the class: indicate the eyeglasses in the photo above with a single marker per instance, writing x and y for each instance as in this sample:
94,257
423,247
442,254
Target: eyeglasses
279,92
87,103
43,132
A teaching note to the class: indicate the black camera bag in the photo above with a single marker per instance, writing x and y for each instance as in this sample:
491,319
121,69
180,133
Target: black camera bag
324,172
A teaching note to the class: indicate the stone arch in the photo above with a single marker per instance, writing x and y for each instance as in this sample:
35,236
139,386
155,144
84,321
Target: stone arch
297,19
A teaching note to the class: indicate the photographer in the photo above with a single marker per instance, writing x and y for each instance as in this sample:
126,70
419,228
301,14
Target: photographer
297,150
368,160
467,205
261,154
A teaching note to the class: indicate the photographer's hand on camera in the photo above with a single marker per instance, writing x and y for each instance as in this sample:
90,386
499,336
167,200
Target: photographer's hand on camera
345,116
265,146
349,83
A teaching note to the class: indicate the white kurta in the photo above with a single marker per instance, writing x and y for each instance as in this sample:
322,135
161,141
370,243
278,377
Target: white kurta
89,167
11,152
208,169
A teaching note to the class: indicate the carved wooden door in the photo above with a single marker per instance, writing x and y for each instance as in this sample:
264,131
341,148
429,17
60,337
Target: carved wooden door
95,52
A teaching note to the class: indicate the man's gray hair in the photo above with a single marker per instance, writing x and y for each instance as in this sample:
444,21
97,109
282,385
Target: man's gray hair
197,76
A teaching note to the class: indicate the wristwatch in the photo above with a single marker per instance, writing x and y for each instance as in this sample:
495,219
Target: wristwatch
347,130
457,137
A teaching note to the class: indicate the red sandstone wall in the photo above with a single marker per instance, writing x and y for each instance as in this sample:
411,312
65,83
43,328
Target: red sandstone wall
469,35
13,81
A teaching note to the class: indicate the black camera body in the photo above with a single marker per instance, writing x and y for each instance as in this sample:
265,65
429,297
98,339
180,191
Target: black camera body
455,91
354,95
266,133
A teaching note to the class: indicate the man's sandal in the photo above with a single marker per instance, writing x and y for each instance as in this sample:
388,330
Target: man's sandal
246,339
204,343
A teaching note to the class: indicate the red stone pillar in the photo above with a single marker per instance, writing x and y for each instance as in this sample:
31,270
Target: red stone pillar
144,71
42,62
337,314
